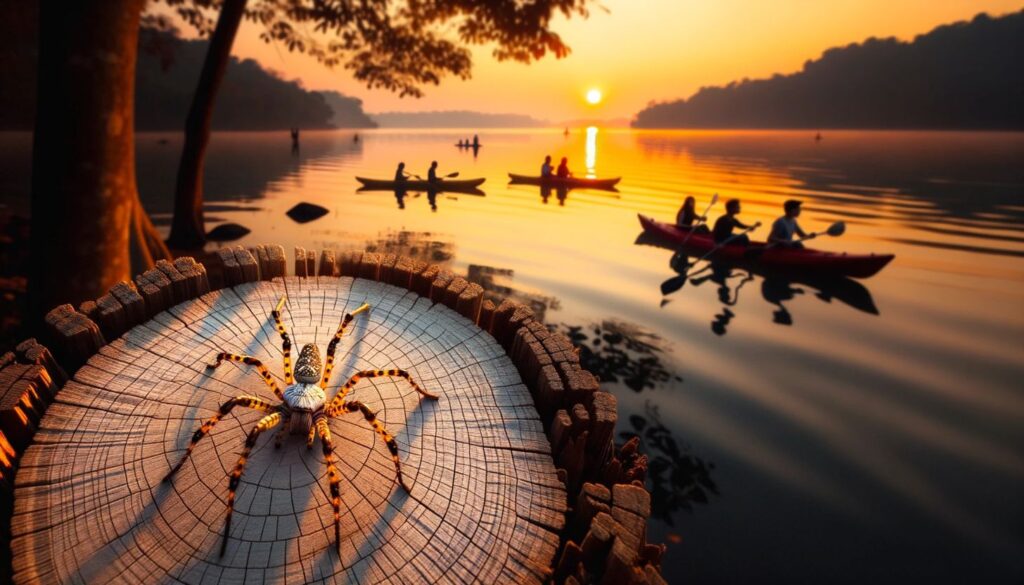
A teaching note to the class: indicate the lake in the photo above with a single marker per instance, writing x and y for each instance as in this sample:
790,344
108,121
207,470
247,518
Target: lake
799,431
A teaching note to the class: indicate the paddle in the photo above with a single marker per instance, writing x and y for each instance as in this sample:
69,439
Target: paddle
676,282
448,176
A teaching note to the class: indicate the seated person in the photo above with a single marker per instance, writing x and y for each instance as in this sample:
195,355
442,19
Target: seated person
786,227
400,173
688,215
563,169
546,169
727,223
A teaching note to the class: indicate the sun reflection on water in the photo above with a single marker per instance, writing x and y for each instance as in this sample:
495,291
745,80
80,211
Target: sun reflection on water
591,151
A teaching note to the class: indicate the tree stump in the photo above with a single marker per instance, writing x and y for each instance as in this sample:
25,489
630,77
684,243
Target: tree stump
486,504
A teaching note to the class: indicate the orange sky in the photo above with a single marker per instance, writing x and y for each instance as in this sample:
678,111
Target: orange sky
643,50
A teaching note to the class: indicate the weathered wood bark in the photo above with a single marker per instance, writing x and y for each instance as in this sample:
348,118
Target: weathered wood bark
486,504
88,227
188,229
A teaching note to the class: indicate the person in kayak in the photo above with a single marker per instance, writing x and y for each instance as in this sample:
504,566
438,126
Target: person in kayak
725,225
432,173
546,169
786,227
563,169
400,175
688,215
476,141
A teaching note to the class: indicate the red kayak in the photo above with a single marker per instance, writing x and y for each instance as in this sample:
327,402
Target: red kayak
782,259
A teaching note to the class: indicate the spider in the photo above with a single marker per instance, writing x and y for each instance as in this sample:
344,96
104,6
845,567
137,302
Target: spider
304,411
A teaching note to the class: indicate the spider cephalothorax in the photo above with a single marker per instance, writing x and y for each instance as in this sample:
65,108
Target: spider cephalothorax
303,410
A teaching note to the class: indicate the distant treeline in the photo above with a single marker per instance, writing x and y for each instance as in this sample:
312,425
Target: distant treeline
967,75
251,97
455,119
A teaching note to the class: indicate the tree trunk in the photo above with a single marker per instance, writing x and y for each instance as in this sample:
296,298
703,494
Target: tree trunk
188,230
85,204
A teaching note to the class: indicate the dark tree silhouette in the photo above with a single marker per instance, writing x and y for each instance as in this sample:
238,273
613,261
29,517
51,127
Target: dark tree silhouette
390,44
88,227
188,229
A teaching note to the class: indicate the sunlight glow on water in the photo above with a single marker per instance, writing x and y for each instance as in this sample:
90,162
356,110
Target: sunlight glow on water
877,437
591,151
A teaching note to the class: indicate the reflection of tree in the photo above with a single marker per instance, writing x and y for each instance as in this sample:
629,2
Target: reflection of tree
237,167
493,280
417,245
676,477
617,351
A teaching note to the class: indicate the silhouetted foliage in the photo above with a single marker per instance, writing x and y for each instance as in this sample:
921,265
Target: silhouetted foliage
961,75
676,478
402,45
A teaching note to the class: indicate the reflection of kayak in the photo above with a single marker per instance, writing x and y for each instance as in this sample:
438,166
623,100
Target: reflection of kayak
843,289
450,185
397,191
570,182
805,261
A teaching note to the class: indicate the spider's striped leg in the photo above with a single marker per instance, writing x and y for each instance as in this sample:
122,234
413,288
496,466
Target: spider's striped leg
251,361
332,475
312,435
266,423
286,342
340,396
246,401
333,345
279,437
371,417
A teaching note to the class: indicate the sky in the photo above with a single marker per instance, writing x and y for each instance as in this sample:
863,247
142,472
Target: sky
638,51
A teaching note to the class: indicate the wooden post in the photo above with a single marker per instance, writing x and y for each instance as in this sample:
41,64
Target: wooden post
300,261
328,264
73,337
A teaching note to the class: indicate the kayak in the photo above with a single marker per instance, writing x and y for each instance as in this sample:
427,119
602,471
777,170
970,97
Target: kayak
457,145
803,260
567,182
449,185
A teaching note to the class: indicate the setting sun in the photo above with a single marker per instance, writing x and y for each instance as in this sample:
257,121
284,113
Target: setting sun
594,96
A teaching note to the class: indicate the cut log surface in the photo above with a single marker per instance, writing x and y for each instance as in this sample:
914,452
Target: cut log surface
485,504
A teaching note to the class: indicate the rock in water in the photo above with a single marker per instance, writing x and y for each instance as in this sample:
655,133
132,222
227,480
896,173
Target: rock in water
306,212
227,232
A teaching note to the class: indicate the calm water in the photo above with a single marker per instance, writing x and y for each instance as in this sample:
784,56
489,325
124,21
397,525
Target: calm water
867,431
